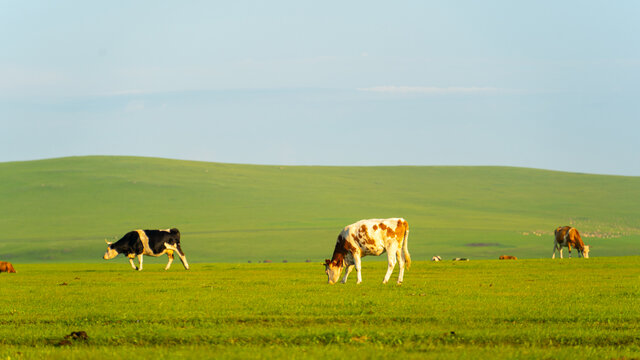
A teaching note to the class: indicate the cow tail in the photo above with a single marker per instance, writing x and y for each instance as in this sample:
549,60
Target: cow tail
405,248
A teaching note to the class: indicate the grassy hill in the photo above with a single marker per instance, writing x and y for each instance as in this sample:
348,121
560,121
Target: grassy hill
61,210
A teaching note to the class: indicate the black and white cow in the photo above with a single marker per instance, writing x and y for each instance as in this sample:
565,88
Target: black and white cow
147,242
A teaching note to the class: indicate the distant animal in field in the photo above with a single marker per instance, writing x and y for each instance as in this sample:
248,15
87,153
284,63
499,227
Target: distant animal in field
436,258
370,237
6,267
567,236
508,257
147,242
460,259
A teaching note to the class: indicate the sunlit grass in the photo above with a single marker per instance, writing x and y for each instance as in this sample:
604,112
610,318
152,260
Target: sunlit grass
578,308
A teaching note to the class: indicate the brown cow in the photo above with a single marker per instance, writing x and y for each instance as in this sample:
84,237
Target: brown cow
508,257
6,267
567,236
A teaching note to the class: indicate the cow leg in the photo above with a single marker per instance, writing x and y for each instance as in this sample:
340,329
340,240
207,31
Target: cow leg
569,247
401,265
347,271
132,264
180,254
140,262
555,248
170,255
356,259
391,258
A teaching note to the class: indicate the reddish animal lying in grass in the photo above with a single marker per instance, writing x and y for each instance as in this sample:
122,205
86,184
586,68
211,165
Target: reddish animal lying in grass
6,267
370,237
567,236
508,257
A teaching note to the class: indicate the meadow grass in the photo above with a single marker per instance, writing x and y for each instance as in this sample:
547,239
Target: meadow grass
61,210
570,308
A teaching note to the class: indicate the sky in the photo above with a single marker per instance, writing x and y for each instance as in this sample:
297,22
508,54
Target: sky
539,84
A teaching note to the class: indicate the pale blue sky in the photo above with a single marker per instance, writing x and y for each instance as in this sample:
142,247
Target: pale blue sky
543,84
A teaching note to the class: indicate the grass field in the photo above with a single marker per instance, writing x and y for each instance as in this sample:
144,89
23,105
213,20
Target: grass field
61,210
569,309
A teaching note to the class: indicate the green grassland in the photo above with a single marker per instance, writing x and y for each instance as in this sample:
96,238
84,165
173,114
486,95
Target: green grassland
525,309
61,210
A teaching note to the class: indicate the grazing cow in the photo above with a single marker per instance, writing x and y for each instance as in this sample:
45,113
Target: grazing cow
147,242
436,258
6,267
567,236
370,237
459,259
508,257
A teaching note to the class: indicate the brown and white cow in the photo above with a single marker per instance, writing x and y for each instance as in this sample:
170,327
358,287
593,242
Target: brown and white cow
6,267
567,236
507,257
370,237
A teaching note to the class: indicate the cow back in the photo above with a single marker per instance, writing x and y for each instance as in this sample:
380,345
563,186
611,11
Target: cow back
155,240
6,267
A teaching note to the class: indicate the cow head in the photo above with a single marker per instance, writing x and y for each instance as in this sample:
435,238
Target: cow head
111,253
333,270
585,252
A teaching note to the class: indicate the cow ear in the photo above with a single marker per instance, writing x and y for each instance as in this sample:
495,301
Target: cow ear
108,243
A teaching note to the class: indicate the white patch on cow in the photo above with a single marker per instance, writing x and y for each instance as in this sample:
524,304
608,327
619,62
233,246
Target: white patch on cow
436,258
144,239
166,230
110,254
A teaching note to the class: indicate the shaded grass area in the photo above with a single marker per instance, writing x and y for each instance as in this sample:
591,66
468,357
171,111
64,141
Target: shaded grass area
61,210
478,309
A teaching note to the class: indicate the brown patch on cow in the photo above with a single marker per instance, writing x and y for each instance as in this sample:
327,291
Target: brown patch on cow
390,233
383,227
507,257
339,252
364,237
569,236
349,247
375,227
400,229
6,267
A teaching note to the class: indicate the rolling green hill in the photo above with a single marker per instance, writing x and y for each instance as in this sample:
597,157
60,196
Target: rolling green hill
61,210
